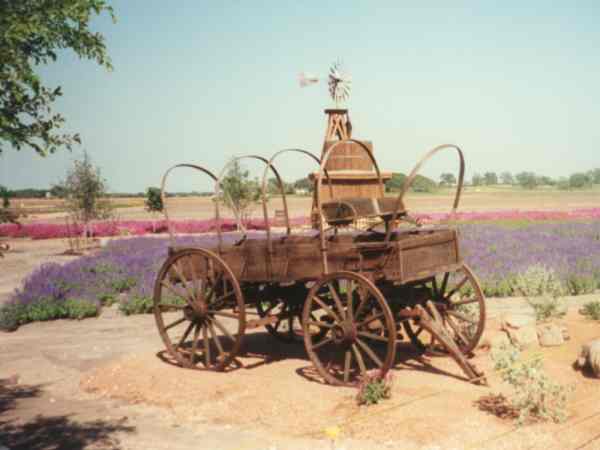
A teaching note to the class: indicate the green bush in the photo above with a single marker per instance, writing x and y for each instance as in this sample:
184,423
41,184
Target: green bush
13,315
591,310
581,284
80,309
137,304
374,387
538,281
535,396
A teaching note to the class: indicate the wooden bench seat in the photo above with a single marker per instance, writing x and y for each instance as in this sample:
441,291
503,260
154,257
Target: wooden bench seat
346,210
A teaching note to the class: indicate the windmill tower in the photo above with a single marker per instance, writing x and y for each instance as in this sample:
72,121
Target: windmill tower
351,171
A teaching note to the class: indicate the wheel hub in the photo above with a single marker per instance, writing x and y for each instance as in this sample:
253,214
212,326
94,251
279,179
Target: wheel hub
345,333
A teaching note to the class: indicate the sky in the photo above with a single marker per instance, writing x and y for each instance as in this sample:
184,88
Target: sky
515,84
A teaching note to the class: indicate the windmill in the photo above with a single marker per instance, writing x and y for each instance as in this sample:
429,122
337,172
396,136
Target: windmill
339,84
338,81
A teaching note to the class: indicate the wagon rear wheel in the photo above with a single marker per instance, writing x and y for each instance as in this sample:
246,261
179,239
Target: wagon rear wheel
351,316
459,299
199,309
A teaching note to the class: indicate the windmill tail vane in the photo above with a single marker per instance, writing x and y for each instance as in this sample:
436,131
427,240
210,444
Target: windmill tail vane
307,79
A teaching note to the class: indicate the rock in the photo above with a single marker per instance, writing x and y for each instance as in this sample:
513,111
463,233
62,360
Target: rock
517,320
524,337
590,357
498,340
550,335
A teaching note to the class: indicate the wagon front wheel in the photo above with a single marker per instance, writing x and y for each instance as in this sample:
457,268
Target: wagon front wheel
348,328
199,309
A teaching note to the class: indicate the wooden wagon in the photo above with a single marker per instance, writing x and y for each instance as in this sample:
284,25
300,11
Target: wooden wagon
351,296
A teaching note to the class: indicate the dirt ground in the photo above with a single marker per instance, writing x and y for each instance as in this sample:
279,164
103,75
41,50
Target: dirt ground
105,383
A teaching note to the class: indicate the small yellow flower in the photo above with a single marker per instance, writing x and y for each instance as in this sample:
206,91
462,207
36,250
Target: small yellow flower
333,432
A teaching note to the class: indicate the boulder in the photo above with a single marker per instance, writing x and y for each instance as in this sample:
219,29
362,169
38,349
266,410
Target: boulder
590,357
550,335
524,337
518,320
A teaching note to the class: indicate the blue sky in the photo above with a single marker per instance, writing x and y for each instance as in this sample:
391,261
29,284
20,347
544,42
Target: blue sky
515,84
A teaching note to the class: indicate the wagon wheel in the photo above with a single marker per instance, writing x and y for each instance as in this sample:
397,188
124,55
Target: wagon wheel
197,304
287,304
459,299
349,340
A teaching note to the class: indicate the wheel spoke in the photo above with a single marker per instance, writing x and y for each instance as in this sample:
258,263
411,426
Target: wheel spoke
326,308
349,301
444,284
463,317
318,323
457,288
455,328
183,280
215,338
174,324
195,344
369,352
347,362
359,358
370,319
206,346
321,343
363,301
224,330
464,302
337,300
223,314
185,335
173,291
372,336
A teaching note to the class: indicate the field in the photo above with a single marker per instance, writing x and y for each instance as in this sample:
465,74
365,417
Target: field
112,371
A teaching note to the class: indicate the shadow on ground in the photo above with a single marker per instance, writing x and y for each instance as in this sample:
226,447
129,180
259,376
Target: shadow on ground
59,432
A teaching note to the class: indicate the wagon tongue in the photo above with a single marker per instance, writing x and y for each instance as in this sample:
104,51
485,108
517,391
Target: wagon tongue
431,319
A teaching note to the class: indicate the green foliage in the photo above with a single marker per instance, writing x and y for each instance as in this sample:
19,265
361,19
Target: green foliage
5,194
507,178
535,396
591,310
579,181
373,387
594,175
86,192
240,193
137,304
153,201
527,180
579,284
476,180
395,183
447,179
545,181
304,184
490,178
13,315
33,33
423,184
543,291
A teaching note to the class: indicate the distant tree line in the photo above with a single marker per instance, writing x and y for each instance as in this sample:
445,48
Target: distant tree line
530,180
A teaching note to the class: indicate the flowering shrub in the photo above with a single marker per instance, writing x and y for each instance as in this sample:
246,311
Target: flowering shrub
535,396
591,310
374,387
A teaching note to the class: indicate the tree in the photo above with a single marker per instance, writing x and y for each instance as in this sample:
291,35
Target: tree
579,180
304,184
240,193
545,181
395,183
507,178
490,178
447,179
594,175
33,32
526,180
154,203
86,192
476,180
5,194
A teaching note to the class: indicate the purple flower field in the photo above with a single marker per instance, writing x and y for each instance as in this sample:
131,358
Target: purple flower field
496,254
